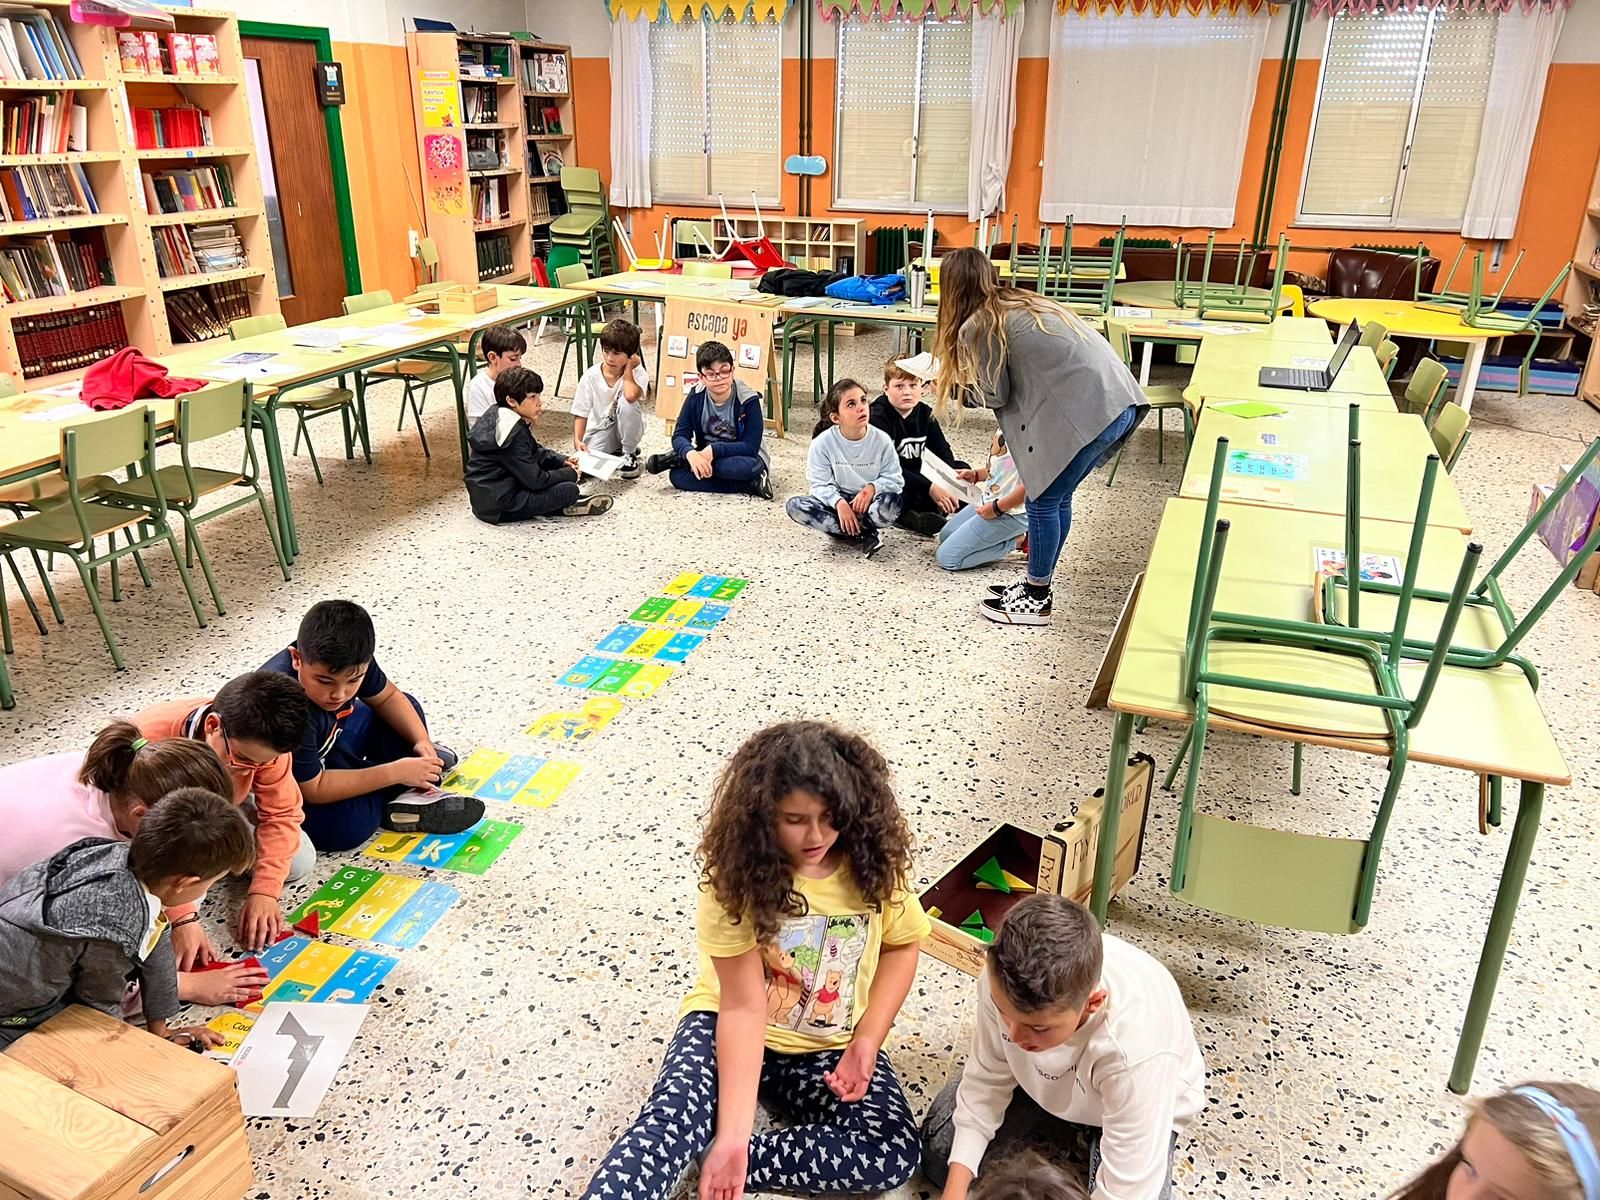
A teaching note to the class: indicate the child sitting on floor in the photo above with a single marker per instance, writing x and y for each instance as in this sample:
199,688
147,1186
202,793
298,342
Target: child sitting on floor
853,471
808,945
510,476
1096,1035
503,348
716,444
902,413
254,723
367,749
1534,1140
608,410
987,532
77,927
47,804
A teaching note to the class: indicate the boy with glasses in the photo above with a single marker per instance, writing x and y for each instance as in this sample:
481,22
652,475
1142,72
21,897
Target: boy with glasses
716,445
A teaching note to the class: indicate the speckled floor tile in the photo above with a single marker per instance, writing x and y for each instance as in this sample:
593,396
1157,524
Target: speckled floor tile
502,1055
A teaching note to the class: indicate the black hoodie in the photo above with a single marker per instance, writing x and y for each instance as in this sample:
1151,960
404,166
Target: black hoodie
507,463
912,434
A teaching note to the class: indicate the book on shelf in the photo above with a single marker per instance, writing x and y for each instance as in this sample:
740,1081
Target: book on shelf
45,192
34,268
153,61
479,106
218,247
49,124
192,190
66,341
180,49
34,45
549,71
490,200
161,128
552,119
130,53
551,164
495,257
538,201
207,58
199,314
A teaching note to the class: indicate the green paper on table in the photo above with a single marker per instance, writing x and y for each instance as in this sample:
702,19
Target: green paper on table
1249,409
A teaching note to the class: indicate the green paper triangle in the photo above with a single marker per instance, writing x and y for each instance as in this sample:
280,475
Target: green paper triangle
992,874
975,921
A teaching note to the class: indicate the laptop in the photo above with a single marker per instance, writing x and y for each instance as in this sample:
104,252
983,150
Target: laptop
1309,379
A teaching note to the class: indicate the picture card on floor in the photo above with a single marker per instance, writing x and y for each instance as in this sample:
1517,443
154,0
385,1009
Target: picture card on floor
538,781
469,775
708,617
392,910
232,1026
319,972
576,728
289,1058
588,669
471,851
705,587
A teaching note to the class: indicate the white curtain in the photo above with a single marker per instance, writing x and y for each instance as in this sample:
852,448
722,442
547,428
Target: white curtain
631,90
996,44
1524,44
1146,117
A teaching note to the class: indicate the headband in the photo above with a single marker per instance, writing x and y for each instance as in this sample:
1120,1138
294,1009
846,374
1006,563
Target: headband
138,744
1574,1135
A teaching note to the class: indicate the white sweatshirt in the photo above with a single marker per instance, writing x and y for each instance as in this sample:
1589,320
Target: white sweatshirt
1134,1069
838,468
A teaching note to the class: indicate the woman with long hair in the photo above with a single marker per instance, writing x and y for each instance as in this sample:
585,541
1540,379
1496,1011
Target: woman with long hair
1063,398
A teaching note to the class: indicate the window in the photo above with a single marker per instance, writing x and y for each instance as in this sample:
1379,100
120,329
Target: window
903,125
1394,142
716,109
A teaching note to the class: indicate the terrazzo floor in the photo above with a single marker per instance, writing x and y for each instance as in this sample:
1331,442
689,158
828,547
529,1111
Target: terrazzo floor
503,1055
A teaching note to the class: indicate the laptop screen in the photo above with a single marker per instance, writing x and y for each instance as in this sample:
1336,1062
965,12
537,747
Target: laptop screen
1352,335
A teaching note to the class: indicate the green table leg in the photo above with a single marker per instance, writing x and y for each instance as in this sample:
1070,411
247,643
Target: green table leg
361,414
1105,859
458,373
1512,878
277,473
786,361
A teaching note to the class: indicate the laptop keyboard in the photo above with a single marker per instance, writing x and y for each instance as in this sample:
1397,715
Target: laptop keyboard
1300,377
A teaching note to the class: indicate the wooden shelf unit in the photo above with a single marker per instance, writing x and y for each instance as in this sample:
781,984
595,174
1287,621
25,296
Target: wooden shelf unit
114,166
813,243
545,198
1581,300
449,196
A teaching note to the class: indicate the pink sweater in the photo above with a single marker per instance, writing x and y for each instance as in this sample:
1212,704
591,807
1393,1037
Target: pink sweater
43,809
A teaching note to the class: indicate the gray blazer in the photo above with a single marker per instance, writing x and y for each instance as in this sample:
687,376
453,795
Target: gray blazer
1057,390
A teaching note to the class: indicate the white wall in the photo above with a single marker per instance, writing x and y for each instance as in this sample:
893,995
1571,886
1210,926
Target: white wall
383,22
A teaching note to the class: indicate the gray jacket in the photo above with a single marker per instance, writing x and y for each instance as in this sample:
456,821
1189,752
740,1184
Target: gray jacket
71,929
1057,390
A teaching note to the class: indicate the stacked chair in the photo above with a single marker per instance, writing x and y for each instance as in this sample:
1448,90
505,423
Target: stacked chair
586,225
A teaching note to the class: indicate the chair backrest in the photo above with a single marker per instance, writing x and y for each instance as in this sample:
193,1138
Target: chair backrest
562,256
1450,432
1426,389
8,386
580,179
1121,342
571,274
1295,295
211,412
367,300
1387,352
243,327
707,270
1372,335
104,444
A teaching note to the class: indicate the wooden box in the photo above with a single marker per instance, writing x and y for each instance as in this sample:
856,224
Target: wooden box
92,1108
1061,861
468,299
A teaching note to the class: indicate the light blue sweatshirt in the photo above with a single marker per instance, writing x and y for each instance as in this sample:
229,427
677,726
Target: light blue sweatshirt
837,468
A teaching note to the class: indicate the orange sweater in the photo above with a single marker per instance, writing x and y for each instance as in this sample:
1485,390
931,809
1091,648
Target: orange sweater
279,809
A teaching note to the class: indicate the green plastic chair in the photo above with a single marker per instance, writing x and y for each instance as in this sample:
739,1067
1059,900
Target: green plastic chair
1450,433
1231,300
418,374
1084,279
1388,354
307,403
1372,335
1425,390
581,331
20,499
124,441
1159,396
209,413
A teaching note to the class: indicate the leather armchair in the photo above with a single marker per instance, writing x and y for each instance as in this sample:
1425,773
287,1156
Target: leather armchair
1377,274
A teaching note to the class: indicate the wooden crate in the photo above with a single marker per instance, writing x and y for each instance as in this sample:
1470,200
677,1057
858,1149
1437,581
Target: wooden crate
92,1108
468,299
1061,861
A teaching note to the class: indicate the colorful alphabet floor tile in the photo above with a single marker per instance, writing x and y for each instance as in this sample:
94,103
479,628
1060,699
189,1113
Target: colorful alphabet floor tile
576,728
590,667
320,972
517,778
392,910
615,676
653,609
646,680
681,585
707,586
730,589
471,851
473,771
707,617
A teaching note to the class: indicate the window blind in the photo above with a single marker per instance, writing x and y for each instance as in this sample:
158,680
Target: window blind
1444,145
945,136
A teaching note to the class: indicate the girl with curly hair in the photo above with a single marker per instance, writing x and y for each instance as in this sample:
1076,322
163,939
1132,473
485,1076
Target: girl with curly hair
808,946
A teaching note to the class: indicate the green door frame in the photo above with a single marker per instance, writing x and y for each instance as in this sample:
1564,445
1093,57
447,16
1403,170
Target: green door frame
330,114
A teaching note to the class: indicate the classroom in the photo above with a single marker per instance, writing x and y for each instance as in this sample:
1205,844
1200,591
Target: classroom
699,599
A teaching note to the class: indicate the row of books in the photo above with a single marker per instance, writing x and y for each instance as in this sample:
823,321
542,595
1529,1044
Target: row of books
34,45
479,106
477,61
192,190
495,257
201,313
191,55
42,193
53,342
544,118
185,125
48,124
545,71
491,200
199,249
36,267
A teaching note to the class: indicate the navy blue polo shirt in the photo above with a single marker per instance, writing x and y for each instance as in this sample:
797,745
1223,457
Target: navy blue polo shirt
324,727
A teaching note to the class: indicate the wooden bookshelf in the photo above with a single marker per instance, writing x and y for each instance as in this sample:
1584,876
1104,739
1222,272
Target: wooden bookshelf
451,102
1581,300
114,168
814,243
545,136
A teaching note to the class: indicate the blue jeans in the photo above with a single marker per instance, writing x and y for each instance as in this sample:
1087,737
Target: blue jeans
366,740
731,474
1050,512
967,540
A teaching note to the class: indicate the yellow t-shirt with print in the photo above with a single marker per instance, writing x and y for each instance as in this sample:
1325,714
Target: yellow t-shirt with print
819,973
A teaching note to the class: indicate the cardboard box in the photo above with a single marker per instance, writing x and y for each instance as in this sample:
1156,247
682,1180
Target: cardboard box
1061,861
92,1108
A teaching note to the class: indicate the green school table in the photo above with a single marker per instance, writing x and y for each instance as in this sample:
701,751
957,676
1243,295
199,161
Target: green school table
1158,293
820,313
1407,319
1180,327
1481,722
1394,447
1231,367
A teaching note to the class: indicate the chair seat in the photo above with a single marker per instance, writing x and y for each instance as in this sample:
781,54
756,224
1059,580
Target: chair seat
58,526
317,398
1478,626
175,486
413,369
44,490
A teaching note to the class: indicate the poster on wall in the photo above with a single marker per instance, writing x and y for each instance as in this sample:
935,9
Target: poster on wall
746,329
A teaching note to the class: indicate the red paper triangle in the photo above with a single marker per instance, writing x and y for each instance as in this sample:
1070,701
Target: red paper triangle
311,924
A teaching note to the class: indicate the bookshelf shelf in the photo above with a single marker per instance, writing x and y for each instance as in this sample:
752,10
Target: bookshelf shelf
550,117
177,283
1578,265
535,94
489,125
54,85
492,172
72,300
55,224
503,223
184,80
158,153
549,137
47,160
202,215
545,179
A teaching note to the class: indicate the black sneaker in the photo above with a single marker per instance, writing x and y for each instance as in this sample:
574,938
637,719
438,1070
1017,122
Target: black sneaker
1000,589
432,811
630,467
1017,606
762,485
657,463
588,506
871,538
923,524
446,755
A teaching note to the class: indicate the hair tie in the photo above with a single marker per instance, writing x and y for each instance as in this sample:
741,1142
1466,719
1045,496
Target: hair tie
138,744
1574,1135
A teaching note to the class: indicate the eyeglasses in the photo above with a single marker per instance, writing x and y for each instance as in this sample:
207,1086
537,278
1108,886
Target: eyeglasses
716,376
244,764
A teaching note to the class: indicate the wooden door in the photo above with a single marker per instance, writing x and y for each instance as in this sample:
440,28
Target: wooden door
297,176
